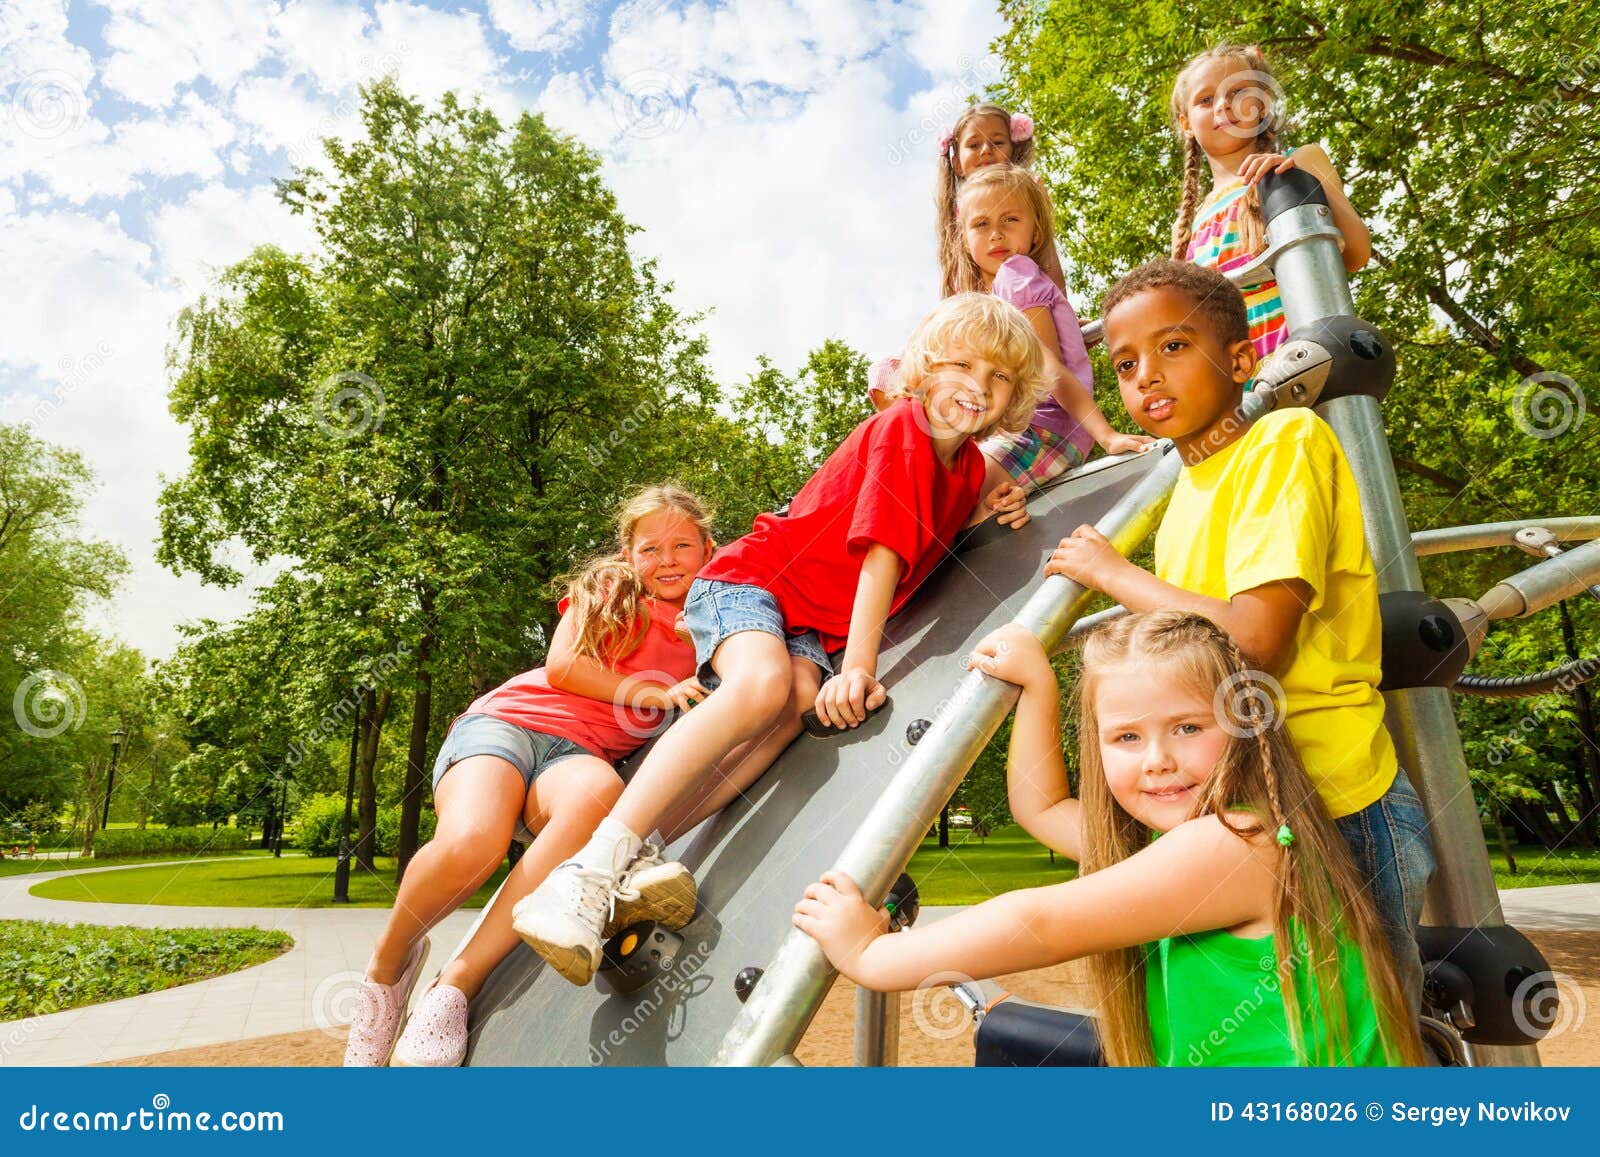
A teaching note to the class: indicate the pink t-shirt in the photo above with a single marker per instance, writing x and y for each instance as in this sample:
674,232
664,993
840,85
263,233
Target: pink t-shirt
608,729
1021,282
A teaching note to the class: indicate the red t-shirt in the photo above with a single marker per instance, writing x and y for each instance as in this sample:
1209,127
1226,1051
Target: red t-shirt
883,486
608,729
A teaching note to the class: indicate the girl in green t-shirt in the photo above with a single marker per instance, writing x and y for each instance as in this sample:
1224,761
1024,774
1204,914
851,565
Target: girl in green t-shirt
1243,935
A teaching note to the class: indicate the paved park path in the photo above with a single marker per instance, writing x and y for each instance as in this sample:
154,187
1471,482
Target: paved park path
312,985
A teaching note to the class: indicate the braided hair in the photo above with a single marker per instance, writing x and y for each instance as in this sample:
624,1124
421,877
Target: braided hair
1253,229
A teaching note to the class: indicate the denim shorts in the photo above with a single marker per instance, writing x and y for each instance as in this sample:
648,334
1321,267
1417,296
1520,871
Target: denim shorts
1389,840
714,610
530,752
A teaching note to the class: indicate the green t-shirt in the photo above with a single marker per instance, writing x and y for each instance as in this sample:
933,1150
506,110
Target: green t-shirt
1214,1000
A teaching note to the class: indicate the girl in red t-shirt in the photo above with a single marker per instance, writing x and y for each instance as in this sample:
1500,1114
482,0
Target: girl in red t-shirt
539,749
857,540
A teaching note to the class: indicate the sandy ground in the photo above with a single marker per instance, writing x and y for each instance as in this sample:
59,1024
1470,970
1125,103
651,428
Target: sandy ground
935,1030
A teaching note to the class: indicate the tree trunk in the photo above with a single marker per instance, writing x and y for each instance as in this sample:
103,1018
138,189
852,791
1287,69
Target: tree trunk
417,753
1534,819
366,779
944,827
1505,844
91,811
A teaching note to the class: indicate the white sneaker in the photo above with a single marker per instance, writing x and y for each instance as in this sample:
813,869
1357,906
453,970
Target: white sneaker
563,919
652,889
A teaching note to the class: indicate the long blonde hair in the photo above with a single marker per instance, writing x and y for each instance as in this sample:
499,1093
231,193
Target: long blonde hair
948,185
965,274
609,607
1252,229
1320,891
990,327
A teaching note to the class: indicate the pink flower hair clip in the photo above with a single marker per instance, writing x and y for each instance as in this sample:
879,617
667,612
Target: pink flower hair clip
1021,127
946,139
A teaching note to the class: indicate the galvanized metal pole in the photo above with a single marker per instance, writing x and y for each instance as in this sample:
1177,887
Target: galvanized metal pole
1313,283
794,983
877,1029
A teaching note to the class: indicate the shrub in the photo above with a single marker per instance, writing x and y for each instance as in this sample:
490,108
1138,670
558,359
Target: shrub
315,827
121,842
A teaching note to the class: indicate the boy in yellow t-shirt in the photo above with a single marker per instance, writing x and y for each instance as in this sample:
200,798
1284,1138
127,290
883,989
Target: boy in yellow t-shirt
1264,537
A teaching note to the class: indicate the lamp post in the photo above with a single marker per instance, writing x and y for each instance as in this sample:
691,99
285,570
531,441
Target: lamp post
284,776
117,737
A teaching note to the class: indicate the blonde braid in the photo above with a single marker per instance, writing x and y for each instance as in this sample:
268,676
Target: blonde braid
1183,227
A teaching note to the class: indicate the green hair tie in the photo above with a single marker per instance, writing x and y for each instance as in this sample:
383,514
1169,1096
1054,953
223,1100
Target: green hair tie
1285,836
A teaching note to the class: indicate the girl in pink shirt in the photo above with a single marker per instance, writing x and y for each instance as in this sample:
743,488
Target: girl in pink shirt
539,750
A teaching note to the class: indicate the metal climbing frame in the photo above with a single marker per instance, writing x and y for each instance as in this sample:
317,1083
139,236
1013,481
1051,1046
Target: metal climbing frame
1304,256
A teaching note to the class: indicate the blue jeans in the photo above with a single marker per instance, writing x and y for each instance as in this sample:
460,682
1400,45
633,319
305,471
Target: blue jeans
529,751
714,610
1389,840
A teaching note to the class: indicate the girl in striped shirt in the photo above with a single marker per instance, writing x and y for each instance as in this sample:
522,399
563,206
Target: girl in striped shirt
1227,109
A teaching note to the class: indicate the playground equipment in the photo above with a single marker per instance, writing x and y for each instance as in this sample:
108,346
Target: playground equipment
742,985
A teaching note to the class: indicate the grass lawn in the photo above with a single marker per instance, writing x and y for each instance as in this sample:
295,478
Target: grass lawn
1537,867
973,870
25,867
46,968
295,881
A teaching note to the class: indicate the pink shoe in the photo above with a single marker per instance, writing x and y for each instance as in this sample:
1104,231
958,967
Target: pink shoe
379,1010
436,1032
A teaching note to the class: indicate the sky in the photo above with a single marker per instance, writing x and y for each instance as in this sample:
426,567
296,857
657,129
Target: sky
779,157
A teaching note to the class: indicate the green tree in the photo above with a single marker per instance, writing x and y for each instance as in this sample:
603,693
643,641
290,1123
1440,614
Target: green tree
434,415
1468,139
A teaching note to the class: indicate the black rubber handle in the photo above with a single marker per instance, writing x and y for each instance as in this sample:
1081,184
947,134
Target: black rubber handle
814,725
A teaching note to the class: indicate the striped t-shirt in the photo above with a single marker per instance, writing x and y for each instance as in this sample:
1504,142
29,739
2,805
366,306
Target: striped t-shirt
1216,244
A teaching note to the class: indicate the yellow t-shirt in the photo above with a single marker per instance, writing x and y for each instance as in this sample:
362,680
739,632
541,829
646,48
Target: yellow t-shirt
1278,504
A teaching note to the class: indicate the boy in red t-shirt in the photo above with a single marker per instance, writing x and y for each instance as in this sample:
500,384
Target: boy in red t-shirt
764,613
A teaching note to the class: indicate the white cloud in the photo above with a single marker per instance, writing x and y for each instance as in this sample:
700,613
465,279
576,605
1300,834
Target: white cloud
780,176
541,25
788,44
159,45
